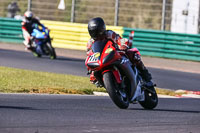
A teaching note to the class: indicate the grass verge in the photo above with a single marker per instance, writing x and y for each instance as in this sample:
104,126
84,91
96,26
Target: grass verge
14,80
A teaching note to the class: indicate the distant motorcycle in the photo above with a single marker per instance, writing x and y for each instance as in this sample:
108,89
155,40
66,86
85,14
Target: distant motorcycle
41,43
120,78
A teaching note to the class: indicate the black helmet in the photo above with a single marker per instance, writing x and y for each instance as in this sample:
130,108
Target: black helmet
96,27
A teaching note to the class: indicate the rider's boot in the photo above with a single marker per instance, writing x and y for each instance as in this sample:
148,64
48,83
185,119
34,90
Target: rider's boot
136,59
146,76
94,79
28,45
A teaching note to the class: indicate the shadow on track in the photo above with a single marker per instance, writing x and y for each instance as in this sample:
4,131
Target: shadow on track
69,59
16,107
167,110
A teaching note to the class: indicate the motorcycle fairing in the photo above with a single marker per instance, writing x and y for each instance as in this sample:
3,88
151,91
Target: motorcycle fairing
106,55
38,34
93,60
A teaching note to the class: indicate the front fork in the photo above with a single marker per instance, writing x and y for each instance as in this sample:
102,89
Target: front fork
125,66
131,73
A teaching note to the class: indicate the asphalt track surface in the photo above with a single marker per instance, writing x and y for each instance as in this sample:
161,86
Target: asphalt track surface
163,78
25,113
21,113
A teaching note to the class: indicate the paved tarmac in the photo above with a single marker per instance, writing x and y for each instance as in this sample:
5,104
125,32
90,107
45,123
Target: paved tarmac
31,113
161,63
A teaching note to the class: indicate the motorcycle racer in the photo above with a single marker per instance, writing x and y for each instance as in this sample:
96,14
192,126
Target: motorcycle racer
27,27
97,31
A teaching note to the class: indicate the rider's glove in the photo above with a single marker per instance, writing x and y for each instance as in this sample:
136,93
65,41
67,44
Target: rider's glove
123,47
124,44
32,38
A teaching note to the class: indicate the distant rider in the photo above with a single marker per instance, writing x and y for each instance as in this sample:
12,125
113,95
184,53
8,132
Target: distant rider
13,8
97,31
28,25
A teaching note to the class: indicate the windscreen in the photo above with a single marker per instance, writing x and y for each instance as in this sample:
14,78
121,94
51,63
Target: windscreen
98,46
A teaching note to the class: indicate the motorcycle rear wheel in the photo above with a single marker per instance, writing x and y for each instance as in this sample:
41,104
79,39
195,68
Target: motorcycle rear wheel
151,99
51,51
118,96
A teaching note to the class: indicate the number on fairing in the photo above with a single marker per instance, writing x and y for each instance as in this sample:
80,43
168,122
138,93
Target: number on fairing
94,57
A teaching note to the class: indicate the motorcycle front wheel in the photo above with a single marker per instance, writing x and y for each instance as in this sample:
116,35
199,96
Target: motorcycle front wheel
117,94
35,53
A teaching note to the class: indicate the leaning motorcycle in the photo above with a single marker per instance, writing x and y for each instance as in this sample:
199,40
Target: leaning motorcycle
119,76
41,43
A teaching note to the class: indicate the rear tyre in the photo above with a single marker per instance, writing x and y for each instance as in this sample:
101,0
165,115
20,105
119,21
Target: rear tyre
151,98
51,51
118,95
37,55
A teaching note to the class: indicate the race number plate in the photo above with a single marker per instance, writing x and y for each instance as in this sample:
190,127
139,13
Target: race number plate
94,57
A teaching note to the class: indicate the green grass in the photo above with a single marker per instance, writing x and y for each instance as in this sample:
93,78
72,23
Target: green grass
14,80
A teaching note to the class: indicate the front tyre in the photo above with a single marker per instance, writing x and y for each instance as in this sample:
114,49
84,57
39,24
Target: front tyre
118,95
35,53
151,98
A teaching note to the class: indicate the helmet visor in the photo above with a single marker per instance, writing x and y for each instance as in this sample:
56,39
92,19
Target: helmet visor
94,33
29,18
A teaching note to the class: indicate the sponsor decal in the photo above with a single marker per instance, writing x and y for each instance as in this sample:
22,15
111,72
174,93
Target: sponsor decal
108,50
